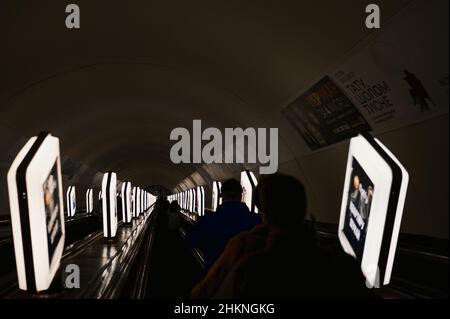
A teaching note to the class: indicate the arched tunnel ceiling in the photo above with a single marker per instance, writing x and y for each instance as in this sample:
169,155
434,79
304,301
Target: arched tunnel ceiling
114,89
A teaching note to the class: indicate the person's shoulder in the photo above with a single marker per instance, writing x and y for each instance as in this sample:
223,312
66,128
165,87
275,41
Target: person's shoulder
208,220
252,237
239,238
253,218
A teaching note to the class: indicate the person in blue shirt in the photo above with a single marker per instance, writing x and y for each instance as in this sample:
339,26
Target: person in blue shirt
212,233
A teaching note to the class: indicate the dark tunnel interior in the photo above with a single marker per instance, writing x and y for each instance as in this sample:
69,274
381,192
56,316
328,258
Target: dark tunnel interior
114,89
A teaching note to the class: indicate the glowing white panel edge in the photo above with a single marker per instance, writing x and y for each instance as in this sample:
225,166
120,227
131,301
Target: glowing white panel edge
39,169
126,202
398,215
248,188
89,200
215,196
109,204
381,174
200,200
71,201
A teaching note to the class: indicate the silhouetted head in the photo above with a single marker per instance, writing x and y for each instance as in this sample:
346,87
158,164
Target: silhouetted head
281,199
356,182
174,206
231,191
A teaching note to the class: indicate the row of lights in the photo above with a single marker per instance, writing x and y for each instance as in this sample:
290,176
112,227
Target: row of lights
193,200
134,200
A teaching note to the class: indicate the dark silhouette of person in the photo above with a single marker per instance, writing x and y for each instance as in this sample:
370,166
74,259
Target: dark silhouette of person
161,210
98,212
281,258
212,233
174,220
418,92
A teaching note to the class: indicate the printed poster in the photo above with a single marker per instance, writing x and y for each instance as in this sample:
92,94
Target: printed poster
323,115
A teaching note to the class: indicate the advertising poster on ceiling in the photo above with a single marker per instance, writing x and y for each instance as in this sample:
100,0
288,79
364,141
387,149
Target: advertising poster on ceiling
324,115
395,80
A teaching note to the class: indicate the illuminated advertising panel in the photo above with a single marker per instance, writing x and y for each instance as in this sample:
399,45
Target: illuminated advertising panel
71,201
216,198
37,212
138,197
89,201
372,207
135,202
200,200
109,204
192,207
142,201
248,183
126,202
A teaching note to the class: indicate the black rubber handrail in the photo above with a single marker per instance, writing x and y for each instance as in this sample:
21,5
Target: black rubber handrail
143,269
118,281
416,252
197,252
407,245
108,281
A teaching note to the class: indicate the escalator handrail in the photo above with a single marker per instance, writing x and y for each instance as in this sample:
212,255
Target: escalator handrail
143,271
11,281
98,289
93,291
403,286
197,252
416,252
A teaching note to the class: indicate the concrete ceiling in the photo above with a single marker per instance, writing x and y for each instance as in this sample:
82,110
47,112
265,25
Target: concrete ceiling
114,89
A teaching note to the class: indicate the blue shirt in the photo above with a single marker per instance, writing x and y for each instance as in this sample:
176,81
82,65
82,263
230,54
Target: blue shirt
213,231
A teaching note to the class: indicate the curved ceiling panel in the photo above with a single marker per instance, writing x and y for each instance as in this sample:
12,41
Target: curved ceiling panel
106,121
114,89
